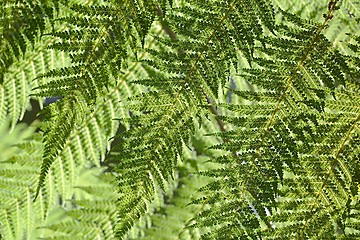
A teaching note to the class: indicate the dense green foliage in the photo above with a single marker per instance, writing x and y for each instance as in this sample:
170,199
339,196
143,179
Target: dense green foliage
197,119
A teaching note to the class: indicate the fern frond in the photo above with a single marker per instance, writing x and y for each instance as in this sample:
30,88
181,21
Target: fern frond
98,38
285,153
138,172
84,138
18,174
18,82
169,219
329,182
21,22
286,124
344,22
93,212
183,79
61,120
22,218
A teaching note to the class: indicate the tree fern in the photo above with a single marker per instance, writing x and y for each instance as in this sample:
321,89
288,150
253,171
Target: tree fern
288,128
91,214
99,38
20,217
265,91
22,21
64,189
32,56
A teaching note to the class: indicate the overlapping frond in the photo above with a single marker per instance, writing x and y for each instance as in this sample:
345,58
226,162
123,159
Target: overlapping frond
85,132
148,158
99,38
290,139
287,126
324,191
22,218
86,129
169,219
184,74
91,214
21,22
18,174
23,57
96,58
18,80
19,170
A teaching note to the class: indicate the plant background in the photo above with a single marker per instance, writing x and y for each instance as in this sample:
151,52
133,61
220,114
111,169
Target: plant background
79,195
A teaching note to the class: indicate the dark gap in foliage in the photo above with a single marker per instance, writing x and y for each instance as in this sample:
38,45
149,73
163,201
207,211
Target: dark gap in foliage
33,113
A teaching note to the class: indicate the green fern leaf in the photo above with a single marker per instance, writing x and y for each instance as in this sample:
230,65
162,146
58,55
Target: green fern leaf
281,131
21,22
